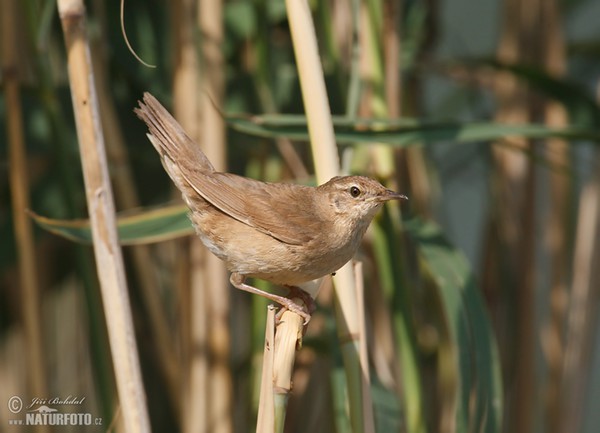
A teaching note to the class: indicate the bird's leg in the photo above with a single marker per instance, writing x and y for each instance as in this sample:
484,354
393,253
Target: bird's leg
237,280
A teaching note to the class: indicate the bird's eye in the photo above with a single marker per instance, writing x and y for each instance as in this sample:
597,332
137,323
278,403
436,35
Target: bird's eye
354,191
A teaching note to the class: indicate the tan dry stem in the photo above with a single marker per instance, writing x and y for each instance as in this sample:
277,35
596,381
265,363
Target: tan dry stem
582,315
195,310
19,188
198,86
99,196
288,338
514,210
369,418
126,197
326,161
557,228
265,422
213,141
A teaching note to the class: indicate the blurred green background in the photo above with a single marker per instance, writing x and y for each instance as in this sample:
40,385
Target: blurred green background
482,294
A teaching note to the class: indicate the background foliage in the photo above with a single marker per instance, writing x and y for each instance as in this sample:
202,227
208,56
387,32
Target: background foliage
481,295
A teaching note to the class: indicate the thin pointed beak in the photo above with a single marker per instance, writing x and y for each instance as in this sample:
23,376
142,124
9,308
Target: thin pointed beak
391,195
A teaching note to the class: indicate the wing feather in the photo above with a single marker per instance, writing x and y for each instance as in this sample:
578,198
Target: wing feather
252,202
283,211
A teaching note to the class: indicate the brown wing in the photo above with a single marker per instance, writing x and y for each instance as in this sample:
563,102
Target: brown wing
285,217
279,210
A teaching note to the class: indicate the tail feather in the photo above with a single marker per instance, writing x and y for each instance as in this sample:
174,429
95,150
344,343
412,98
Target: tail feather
177,150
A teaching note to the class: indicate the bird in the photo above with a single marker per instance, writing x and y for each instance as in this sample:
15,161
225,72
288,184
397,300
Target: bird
284,233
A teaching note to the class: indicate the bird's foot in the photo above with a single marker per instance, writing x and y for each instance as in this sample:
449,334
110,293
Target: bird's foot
304,308
288,304
297,292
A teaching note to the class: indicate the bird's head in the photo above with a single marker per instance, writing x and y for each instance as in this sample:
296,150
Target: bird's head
357,198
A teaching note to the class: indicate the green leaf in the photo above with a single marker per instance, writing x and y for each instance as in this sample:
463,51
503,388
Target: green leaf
387,409
135,228
476,363
404,132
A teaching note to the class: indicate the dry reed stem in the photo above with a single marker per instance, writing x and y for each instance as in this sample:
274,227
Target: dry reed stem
557,228
281,344
194,305
582,315
392,49
265,422
514,214
213,142
108,255
19,188
127,198
314,93
326,161
288,338
209,285
369,418
194,415
373,102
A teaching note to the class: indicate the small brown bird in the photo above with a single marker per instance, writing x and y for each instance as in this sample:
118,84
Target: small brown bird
284,233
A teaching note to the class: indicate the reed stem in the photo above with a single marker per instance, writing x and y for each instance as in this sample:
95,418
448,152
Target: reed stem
19,188
109,260
326,161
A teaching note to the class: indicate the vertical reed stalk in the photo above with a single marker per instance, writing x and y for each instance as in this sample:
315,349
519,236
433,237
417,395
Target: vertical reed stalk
354,83
126,197
392,46
514,213
326,160
558,240
287,338
109,259
19,188
196,381
212,139
61,141
367,406
582,319
265,422
413,166
199,70
195,309
263,80
314,93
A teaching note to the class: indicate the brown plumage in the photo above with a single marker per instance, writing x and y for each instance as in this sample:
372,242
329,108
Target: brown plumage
284,233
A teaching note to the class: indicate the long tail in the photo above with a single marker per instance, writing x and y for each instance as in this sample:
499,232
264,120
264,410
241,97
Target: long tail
180,155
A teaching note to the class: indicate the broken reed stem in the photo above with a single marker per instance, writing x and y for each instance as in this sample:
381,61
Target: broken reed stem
326,161
281,343
288,337
109,260
265,422
19,188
